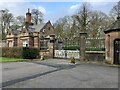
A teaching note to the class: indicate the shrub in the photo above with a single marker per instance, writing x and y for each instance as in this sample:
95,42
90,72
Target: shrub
30,53
11,52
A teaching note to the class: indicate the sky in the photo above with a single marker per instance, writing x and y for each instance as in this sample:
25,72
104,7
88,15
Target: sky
54,9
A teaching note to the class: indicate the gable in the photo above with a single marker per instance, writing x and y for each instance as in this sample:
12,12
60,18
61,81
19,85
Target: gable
24,30
10,34
47,29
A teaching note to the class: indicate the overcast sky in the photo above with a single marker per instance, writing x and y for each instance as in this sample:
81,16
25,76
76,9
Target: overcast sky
54,9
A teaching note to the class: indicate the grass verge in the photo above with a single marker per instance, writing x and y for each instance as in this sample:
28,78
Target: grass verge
3,59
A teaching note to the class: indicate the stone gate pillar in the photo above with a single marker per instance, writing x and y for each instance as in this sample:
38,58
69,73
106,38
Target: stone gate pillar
83,36
52,45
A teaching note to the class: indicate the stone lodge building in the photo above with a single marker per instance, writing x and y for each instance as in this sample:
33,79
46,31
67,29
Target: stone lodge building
31,35
112,43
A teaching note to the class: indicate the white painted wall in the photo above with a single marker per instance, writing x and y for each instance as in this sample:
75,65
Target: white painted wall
70,53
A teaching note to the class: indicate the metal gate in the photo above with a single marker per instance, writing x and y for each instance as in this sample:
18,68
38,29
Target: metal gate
69,47
117,51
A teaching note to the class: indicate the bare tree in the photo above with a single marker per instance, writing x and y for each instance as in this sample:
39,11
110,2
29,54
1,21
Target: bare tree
115,11
83,16
6,19
99,21
37,16
63,27
20,20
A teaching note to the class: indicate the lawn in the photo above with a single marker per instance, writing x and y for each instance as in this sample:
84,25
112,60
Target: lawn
3,59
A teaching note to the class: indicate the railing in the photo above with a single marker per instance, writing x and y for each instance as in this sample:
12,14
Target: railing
92,44
98,43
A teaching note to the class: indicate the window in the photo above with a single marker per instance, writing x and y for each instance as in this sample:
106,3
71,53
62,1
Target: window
43,30
25,43
10,44
9,33
24,31
43,45
49,28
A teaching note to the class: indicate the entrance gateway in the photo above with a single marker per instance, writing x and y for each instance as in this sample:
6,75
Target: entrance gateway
117,51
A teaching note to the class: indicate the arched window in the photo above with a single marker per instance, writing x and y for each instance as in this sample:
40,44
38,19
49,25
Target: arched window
108,43
49,28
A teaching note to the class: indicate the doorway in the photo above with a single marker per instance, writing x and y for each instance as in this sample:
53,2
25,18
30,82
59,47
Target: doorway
117,51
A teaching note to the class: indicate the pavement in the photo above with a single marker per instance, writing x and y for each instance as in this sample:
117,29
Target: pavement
58,73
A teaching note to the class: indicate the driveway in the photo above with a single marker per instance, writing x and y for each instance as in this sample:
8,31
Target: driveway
57,73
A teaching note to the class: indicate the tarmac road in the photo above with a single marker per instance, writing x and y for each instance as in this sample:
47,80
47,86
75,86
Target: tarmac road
58,74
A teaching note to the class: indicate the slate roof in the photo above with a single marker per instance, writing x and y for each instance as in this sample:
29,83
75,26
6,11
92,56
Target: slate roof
36,28
30,28
114,27
16,32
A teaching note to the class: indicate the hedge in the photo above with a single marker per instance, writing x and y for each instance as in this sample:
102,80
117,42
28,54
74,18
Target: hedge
71,47
12,52
30,53
76,47
25,53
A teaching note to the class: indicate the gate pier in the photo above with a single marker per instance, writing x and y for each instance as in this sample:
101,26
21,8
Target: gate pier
83,36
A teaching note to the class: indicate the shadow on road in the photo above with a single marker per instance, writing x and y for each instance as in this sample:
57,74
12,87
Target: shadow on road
57,66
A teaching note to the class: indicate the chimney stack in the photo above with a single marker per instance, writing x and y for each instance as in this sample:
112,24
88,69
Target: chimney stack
28,17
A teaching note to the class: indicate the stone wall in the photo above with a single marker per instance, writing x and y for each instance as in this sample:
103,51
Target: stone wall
45,53
3,43
95,55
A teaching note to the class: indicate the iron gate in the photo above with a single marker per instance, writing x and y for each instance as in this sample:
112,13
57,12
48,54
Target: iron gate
117,51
